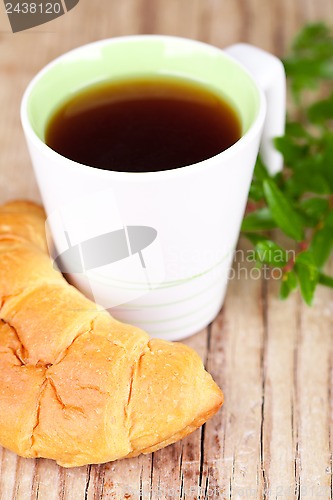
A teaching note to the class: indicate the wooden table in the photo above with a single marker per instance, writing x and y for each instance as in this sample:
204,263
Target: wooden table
274,436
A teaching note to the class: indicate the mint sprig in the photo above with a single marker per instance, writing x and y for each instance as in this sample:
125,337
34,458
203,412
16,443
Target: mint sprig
299,201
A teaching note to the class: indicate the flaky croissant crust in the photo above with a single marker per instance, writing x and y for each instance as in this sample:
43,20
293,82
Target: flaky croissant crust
76,385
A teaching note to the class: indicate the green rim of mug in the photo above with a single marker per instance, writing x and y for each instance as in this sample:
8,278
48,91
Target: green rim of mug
126,57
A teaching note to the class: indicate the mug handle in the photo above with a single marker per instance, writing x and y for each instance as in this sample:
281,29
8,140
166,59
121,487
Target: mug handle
268,72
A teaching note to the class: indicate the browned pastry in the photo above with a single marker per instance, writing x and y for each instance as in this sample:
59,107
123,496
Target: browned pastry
76,385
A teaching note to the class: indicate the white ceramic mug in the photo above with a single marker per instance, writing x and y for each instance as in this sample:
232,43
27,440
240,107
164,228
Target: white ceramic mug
155,247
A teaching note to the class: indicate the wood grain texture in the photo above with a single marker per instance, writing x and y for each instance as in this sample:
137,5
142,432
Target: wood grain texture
273,438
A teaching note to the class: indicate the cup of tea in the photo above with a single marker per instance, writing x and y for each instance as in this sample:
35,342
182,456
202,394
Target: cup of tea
144,148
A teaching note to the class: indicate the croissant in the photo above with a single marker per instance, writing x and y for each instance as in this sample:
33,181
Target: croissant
76,385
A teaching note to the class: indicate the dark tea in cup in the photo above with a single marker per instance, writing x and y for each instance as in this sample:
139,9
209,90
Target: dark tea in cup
143,124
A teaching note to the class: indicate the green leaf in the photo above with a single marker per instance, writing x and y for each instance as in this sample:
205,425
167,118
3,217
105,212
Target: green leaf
288,284
260,220
325,280
307,182
256,192
291,151
326,164
314,173
314,38
306,258
321,111
260,170
292,279
308,275
298,199
311,58
307,71
296,130
282,211
322,245
315,208
284,290
329,219
267,251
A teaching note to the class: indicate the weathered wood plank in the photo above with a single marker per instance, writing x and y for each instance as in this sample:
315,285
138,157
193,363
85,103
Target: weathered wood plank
8,474
274,360
238,337
313,388
176,469
279,404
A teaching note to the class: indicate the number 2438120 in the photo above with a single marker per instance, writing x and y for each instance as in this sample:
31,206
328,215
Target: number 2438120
33,8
